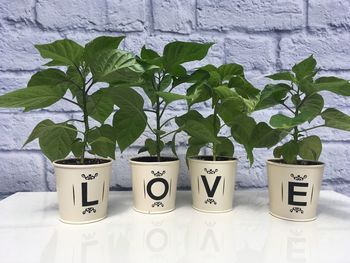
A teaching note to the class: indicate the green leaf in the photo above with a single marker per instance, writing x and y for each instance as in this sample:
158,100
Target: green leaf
35,97
57,143
176,53
243,87
227,71
263,136
148,54
102,141
242,127
289,151
101,43
170,97
305,68
100,105
271,95
200,130
225,148
336,119
311,108
224,92
151,147
194,147
333,84
230,108
63,52
50,77
198,93
166,81
77,147
130,121
40,129
190,115
310,148
284,75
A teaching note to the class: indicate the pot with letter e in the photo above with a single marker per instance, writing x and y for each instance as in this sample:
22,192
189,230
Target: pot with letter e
154,184
294,189
295,178
82,189
212,183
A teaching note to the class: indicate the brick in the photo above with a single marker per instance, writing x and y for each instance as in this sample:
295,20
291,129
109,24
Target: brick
17,10
18,126
17,50
176,16
254,53
329,13
126,15
331,51
21,171
59,14
250,15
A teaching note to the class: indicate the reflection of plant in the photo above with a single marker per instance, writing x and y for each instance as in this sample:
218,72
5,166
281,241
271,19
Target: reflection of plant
232,98
299,94
98,61
163,73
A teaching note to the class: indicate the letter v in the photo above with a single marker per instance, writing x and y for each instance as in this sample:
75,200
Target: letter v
210,192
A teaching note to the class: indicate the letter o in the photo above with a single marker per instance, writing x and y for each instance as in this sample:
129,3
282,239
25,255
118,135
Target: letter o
152,182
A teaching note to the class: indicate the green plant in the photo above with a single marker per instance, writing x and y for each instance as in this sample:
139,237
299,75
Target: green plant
232,98
162,74
99,61
300,95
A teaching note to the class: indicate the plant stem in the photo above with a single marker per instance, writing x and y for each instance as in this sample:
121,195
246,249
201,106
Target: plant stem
315,127
71,101
214,129
166,134
86,122
164,123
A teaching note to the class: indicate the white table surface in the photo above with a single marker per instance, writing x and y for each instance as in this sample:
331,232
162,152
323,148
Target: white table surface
30,232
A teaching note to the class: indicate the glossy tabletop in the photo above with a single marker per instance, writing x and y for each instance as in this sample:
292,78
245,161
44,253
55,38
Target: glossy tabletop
31,232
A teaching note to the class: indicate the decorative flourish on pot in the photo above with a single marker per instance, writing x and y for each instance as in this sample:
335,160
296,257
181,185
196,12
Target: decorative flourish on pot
89,210
158,174
299,94
157,204
73,73
211,171
210,201
298,177
90,176
297,210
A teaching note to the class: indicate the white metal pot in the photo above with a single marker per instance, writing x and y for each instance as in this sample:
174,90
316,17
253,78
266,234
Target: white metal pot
154,184
82,191
212,183
294,189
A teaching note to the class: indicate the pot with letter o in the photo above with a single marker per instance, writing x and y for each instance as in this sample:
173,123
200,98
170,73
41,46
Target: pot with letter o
154,184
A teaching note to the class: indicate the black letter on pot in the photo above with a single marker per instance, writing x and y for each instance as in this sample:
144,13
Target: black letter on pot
156,180
292,193
84,196
210,192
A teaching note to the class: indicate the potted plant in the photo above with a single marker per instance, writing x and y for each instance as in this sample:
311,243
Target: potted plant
295,177
232,98
154,177
82,182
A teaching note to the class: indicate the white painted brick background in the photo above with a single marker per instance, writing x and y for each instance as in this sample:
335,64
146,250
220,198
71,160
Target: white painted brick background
264,36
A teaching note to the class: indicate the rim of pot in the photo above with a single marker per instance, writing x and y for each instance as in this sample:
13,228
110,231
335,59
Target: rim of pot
316,165
228,159
138,160
79,166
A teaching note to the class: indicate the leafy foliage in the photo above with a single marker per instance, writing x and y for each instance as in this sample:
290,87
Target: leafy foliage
230,95
299,94
99,61
162,75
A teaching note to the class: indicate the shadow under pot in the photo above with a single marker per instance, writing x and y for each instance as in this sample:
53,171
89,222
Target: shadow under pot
82,189
154,184
294,189
212,183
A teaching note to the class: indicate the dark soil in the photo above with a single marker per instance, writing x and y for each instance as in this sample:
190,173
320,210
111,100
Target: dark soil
210,158
299,162
153,159
87,161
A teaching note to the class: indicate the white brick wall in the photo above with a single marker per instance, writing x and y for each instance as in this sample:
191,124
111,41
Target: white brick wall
264,36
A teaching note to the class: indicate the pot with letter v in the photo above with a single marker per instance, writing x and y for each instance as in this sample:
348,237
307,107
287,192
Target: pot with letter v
154,184
82,189
294,189
212,183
